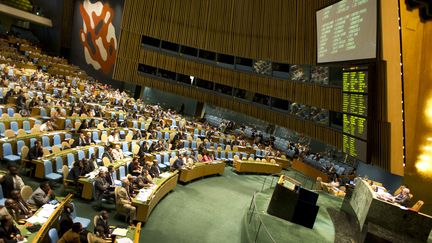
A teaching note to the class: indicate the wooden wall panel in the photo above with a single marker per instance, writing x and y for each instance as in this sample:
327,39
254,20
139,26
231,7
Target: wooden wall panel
277,30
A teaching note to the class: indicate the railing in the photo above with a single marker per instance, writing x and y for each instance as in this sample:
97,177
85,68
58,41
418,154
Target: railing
257,229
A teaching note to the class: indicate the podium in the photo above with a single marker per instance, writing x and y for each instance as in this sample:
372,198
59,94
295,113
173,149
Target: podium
294,203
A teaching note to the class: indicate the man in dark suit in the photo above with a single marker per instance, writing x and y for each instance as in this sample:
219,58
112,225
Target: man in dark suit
36,151
23,205
109,178
102,221
154,169
102,188
144,148
178,164
75,172
11,181
109,154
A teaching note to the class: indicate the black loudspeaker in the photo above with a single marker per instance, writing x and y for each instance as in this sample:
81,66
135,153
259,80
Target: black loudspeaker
305,214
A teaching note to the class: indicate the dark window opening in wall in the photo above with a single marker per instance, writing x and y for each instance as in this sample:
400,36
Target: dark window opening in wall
228,59
224,89
209,55
240,93
335,76
281,67
204,84
279,104
147,69
261,99
150,41
167,74
170,46
244,61
189,51
336,120
184,78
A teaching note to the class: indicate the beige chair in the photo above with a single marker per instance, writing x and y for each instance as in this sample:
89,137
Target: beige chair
235,148
37,126
67,184
83,115
189,138
236,157
283,156
251,159
257,160
228,148
5,116
46,152
128,138
135,149
65,145
71,141
272,161
55,149
35,130
17,115
264,160
100,125
200,157
77,125
104,138
106,162
417,206
21,132
9,133
26,192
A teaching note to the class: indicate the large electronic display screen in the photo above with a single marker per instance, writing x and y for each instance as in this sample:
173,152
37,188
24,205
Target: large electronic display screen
347,30
354,147
354,104
355,126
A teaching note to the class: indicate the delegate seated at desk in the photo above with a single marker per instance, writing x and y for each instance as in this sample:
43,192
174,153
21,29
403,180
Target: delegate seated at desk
403,198
178,163
124,200
42,195
9,233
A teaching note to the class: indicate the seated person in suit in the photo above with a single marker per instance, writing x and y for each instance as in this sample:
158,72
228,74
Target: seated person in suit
109,154
11,181
80,141
93,161
124,201
136,135
178,163
36,151
8,231
42,195
86,167
73,235
23,205
154,169
65,221
403,197
102,188
144,148
134,168
109,178
75,172
14,210
102,222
